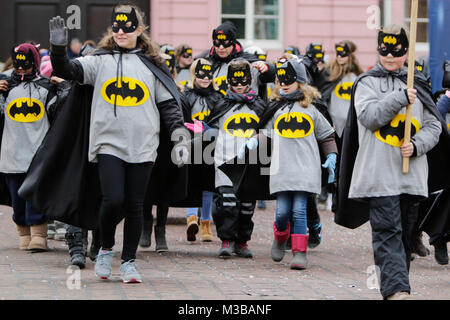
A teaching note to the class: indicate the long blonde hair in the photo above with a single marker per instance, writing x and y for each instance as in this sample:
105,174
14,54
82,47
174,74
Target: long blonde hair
311,94
338,71
149,47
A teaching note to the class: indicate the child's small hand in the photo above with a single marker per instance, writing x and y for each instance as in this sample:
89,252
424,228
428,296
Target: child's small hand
261,66
55,80
3,85
407,149
412,94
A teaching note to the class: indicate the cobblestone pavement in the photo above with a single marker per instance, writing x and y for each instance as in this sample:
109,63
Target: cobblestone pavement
337,269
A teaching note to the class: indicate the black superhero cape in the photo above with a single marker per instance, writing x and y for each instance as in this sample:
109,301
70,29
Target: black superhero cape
352,213
251,181
61,182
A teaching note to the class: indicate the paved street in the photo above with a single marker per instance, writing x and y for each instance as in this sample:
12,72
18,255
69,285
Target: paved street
192,271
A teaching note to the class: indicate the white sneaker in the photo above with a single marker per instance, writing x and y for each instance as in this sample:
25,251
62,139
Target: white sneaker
103,263
128,272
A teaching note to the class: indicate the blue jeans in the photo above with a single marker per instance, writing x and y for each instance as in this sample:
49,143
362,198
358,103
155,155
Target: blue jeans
206,207
24,213
291,204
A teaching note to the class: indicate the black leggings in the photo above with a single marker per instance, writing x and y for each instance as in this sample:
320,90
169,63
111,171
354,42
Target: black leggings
123,188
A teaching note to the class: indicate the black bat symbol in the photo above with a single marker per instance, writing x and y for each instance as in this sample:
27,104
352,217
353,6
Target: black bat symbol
347,90
25,109
124,91
294,124
398,131
243,125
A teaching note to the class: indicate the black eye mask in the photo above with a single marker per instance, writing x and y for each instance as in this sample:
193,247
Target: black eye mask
122,19
22,59
391,41
286,73
223,39
236,76
203,70
316,52
342,51
186,52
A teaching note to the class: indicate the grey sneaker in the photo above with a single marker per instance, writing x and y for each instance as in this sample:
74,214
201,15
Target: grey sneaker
103,263
128,272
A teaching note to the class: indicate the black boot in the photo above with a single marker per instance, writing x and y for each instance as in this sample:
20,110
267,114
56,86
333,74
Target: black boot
74,239
160,237
440,252
146,235
95,245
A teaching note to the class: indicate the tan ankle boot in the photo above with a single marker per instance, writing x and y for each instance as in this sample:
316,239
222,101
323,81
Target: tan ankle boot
38,238
192,228
24,236
205,228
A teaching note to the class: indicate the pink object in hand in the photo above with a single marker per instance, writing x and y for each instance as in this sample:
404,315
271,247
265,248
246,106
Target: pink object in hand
447,93
195,127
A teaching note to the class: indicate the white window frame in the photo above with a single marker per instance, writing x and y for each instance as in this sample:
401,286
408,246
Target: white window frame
420,46
250,17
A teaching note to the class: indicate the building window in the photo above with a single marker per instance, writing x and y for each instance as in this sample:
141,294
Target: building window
257,21
422,20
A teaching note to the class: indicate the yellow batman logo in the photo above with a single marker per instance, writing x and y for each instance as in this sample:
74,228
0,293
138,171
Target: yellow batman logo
289,51
182,83
171,52
448,126
238,74
294,125
241,125
319,55
390,40
393,133
127,92
262,57
25,110
221,36
339,49
318,47
206,67
419,68
279,64
168,62
20,57
121,17
200,116
189,51
344,90
281,72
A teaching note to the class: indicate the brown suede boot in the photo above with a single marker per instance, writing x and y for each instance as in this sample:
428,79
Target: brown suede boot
38,241
192,228
24,236
205,228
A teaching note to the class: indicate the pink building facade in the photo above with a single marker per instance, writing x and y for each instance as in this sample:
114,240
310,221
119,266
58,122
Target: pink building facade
297,22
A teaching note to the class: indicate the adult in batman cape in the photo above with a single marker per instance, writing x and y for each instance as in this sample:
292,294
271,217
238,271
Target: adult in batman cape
122,124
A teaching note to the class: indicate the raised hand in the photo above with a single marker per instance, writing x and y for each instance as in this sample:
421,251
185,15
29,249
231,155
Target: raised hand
58,31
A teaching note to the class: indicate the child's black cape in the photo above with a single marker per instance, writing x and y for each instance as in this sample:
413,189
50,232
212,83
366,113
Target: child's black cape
251,180
61,182
437,220
352,213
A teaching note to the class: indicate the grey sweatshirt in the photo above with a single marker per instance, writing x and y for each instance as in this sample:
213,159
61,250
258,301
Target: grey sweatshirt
381,103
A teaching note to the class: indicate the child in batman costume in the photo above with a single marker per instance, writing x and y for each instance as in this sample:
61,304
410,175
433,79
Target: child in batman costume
296,128
226,48
371,185
236,117
183,62
28,103
437,222
132,93
201,95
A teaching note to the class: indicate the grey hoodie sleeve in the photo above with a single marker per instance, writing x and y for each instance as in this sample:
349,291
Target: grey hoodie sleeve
373,112
428,135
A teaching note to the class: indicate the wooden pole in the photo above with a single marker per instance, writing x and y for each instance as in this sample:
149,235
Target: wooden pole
410,82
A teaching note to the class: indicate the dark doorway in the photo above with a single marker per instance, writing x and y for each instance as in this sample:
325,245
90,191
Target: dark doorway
23,20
